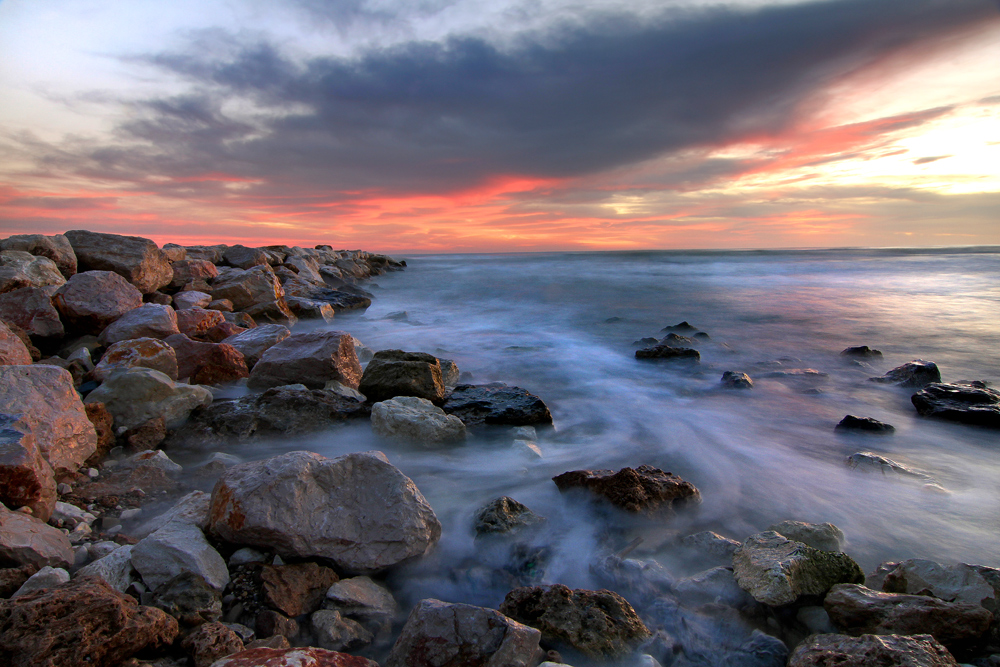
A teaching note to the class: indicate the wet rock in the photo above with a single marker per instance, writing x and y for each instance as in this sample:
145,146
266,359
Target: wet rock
210,642
857,610
138,352
26,479
46,397
864,424
21,269
246,289
196,322
717,585
56,247
191,299
642,489
504,515
179,546
196,271
339,300
207,363
82,622
733,380
708,544
382,517
47,577
274,312
310,309
136,395
968,403
254,342
336,633
312,359
190,599
115,568
136,259
682,328
13,351
973,584
674,340
868,650
870,462
599,624
796,374
293,657
496,404
296,589
776,570
363,600
92,300
823,536
243,257
861,352
412,419
643,581
31,309
916,373
668,353
452,635
393,373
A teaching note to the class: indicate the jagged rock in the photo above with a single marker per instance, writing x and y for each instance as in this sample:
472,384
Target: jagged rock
293,657
497,404
196,322
56,247
974,584
311,359
188,271
857,610
46,397
47,577
504,515
207,363
21,269
179,546
192,299
296,589
869,650
667,352
916,373
340,299
393,373
115,568
682,327
248,288
13,351
92,300
254,342
103,424
31,309
412,419
274,312
173,252
136,395
310,309
776,570
150,320
147,436
137,352
82,622
243,257
336,633
210,642
733,380
968,403
599,624
12,578
641,489
26,479
382,518
865,424
209,253
823,536
270,623
136,259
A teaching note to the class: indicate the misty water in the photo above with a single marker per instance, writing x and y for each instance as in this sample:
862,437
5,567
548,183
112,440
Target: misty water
563,325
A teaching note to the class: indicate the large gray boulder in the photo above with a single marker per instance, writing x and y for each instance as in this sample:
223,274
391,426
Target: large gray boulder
776,570
179,546
26,478
45,395
312,359
136,259
248,288
150,320
26,540
55,247
358,510
410,419
253,343
393,373
868,650
136,395
20,269
115,568
439,634
92,300
31,309
13,351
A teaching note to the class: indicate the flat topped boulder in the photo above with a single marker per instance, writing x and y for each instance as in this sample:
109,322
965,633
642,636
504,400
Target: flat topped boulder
644,489
868,650
142,352
496,404
56,247
150,320
312,359
136,259
968,403
92,300
918,373
358,511
248,288
393,373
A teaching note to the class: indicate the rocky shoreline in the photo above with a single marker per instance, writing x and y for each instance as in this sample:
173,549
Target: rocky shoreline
115,352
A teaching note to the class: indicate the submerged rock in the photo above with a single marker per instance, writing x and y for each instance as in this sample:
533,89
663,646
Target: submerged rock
733,380
504,515
916,373
641,489
868,650
865,424
861,352
872,462
968,403
662,352
496,404
823,536
412,419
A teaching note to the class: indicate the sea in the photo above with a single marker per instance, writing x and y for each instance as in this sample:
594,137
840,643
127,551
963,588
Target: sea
565,326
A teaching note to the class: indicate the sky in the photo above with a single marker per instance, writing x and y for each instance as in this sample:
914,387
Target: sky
504,125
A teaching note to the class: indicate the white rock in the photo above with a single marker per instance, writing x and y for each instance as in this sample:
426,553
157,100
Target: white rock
246,555
192,508
151,459
413,419
71,515
47,577
175,548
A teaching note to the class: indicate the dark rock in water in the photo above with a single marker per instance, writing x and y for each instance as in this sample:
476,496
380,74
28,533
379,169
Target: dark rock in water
393,373
866,424
642,489
797,374
682,327
662,352
645,342
504,515
598,624
496,403
861,352
673,340
916,373
969,403
701,335
734,380
869,650
340,300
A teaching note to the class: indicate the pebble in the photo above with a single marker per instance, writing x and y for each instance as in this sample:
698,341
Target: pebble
93,473
127,515
64,488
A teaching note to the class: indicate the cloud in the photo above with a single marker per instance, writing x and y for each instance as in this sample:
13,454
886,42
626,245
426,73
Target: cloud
927,160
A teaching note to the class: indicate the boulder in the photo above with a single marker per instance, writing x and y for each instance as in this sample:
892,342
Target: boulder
857,610
150,320
136,259
312,359
248,288
861,352
31,309
188,598
642,489
916,373
20,269
864,424
211,642
439,634
710,545
733,380
504,515
273,312
173,252
243,257
776,570
968,403
270,623
13,351
282,503
222,305
56,247
115,568
46,397
363,600
197,271
412,419
823,536
137,353
599,624
338,299
868,650
668,353
196,322
296,589
209,253
393,373
309,309
307,268
207,363
974,584
26,479
103,424
136,395
308,656
25,540
496,404
179,546
192,299
92,300
336,633
253,343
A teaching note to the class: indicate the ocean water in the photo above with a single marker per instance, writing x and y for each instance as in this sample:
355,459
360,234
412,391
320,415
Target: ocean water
562,325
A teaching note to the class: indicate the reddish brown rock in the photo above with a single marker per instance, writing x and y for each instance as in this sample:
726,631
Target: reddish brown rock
196,322
270,623
195,271
138,352
210,642
136,259
31,309
12,578
207,363
871,650
248,288
25,540
296,589
220,332
13,351
25,476
92,300
274,641
35,353
55,247
146,436
20,269
104,427
312,359
151,320
642,489
294,657
275,312
82,622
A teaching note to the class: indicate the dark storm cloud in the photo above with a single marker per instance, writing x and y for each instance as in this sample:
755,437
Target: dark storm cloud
578,99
